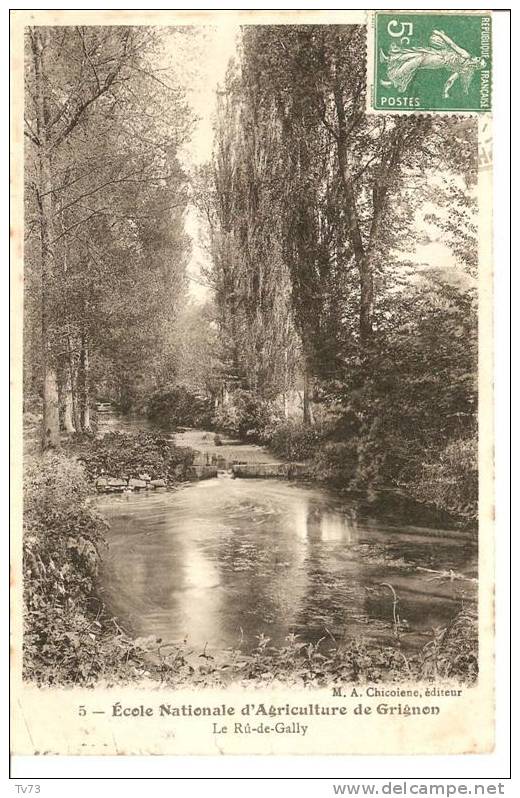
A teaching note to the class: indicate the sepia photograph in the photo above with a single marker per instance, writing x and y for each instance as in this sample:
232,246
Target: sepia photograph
252,269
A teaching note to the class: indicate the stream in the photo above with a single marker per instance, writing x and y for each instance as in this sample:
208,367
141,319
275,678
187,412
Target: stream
223,561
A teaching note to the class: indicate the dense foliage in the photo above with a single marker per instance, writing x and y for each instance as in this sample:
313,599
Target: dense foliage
451,654
62,540
177,406
450,481
117,454
342,249
105,250
353,311
293,440
68,635
247,416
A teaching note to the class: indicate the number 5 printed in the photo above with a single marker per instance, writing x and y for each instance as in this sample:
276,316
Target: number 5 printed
397,33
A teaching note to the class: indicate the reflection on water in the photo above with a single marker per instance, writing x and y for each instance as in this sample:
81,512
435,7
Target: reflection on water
224,561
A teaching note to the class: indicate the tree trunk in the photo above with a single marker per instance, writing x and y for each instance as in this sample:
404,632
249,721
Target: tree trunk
308,396
51,422
225,395
73,371
66,381
366,302
286,381
361,255
67,404
84,385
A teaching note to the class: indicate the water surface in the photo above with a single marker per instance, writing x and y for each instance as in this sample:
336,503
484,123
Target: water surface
224,561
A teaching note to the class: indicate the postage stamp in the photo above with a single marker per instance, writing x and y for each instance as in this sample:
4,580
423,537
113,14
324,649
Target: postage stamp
432,62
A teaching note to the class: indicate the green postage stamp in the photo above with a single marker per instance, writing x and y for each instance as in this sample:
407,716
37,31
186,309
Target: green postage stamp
431,62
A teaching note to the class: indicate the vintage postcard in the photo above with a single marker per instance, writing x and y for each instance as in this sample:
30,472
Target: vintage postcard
252,460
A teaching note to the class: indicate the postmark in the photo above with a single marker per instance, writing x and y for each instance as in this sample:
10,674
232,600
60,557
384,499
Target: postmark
431,62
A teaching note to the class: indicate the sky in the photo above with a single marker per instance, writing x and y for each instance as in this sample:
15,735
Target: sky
199,64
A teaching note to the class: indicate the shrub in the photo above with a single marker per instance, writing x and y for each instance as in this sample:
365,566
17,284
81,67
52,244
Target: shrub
179,407
247,416
453,654
336,462
450,480
119,454
62,538
69,638
293,441
226,418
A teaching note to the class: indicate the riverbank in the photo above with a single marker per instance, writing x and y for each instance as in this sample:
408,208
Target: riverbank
306,454
65,547
340,448
253,444
72,637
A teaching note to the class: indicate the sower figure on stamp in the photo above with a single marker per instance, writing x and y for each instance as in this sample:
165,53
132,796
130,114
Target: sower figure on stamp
443,53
